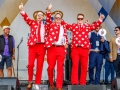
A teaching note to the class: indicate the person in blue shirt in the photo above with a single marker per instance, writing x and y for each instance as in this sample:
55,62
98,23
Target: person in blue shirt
95,56
7,51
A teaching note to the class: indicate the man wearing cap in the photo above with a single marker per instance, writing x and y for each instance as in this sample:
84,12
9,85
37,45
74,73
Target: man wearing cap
95,56
115,51
56,43
36,49
7,51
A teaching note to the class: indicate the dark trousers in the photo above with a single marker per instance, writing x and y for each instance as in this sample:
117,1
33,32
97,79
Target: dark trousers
116,64
95,60
109,69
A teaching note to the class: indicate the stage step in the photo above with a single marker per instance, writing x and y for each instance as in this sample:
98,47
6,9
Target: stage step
87,87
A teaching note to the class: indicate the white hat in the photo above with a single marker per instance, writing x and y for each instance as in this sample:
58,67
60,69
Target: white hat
4,27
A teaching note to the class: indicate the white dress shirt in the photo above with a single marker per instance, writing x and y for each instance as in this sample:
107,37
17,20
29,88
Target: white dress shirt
118,51
61,37
42,32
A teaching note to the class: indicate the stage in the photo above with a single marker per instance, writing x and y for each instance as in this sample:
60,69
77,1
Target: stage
23,85
65,87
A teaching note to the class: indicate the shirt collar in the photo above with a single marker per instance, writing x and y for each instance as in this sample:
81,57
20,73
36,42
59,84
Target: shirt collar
95,32
4,35
80,24
40,22
116,36
58,24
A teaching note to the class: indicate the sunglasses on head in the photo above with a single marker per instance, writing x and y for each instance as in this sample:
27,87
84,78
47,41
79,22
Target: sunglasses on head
57,18
115,30
80,18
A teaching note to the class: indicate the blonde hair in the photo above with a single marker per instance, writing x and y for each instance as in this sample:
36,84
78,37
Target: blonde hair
36,12
80,14
58,12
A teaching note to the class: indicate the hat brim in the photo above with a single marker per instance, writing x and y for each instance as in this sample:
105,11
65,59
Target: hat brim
6,28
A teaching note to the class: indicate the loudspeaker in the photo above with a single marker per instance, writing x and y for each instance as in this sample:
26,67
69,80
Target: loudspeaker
87,87
116,84
5,87
13,82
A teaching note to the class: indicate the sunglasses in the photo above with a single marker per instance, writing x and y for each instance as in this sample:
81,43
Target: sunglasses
115,30
80,18
57,18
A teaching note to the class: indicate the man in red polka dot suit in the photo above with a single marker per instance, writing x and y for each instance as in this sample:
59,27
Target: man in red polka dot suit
56,42
36,48
80,47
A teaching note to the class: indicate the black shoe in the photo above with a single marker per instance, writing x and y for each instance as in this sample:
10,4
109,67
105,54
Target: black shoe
106,83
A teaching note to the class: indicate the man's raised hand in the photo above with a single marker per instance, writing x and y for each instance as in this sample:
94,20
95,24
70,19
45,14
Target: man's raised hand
21,6
102,16
49,7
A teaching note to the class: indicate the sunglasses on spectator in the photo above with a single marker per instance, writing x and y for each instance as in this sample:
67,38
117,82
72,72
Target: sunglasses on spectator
57,18
80,18
115,30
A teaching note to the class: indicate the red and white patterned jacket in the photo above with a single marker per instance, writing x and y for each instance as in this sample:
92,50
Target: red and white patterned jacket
80,33
33,28
53,33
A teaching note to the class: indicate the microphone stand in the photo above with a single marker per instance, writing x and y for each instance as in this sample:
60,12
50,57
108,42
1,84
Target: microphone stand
18,55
